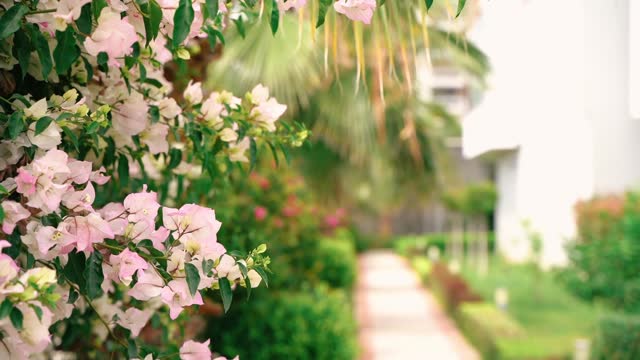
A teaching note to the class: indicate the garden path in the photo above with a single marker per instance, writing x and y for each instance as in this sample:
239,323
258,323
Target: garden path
398,318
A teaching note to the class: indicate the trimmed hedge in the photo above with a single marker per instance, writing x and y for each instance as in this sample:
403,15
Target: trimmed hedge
618,338
413,245
337,263
486,326
312,325
450,288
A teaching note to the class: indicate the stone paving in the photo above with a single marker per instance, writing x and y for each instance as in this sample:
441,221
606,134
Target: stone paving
398,318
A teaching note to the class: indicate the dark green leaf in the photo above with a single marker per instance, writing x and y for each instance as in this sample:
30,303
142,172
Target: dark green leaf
193,277
44,54
96,8
10,20
225,293
182,20
72,137
94,276
22,52
16,124
67,51
322,11
263,275
123,171
212,7
1,214
5,308
175,157
84,21
73,296
429,3
461,4
89,68
75,268
16,318
253,153
37,310
275,17
42,124
240,27
152,18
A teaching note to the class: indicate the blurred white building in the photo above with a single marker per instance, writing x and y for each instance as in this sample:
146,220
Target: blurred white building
561,119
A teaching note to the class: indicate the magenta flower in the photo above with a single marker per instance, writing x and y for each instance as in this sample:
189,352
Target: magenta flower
260,213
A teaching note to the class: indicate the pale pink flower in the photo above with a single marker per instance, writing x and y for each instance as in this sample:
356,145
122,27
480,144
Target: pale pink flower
254,278
260,213
46,140
113,35
357,10
10,153
67,11
142,206
135,319
267,113
8,269
35,328
131,118
176,295
25,182
41,238
158,237
80,170
114,214
192,350
193,92
197,221
155,137
99,177
149,285
168,107
238,150
81,232
13,213
128,263
80,200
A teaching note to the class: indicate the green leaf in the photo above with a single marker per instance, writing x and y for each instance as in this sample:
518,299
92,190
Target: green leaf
5,308
152,19
73,296
263,275
22,52
429,3
44,53
182,20
240,27
16,318
123,171
75,268
322,11
193,277
94,276
175,157
225,293
1,214
10,20
16,124
42,124
253,153
275,17
72,137
67,51
37,310
84,21
212,8
461,4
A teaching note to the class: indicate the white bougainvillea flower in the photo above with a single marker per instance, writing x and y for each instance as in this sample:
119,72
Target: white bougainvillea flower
67,11
131,118
135,319
113,35
193,92
238,150
128,263
155,137
13,213
176,295
228,135
192,350
149,285
356,10
168,107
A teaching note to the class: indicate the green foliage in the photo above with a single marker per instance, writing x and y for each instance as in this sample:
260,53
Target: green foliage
605,261
474,199
337,262
486,326
412,245
315,324
618,338
551,318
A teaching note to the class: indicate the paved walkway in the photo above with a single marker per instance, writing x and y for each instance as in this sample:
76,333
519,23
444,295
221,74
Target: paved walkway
398,318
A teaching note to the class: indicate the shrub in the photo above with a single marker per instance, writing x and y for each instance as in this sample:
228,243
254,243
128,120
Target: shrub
422,266
486,327
451,288
311,325
618,338
337,262
605,260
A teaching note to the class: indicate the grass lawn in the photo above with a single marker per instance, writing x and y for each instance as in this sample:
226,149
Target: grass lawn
550,316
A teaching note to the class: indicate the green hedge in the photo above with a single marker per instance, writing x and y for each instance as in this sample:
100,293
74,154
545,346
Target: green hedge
337,262
308,325
618,338
418,244
451,289
487,327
